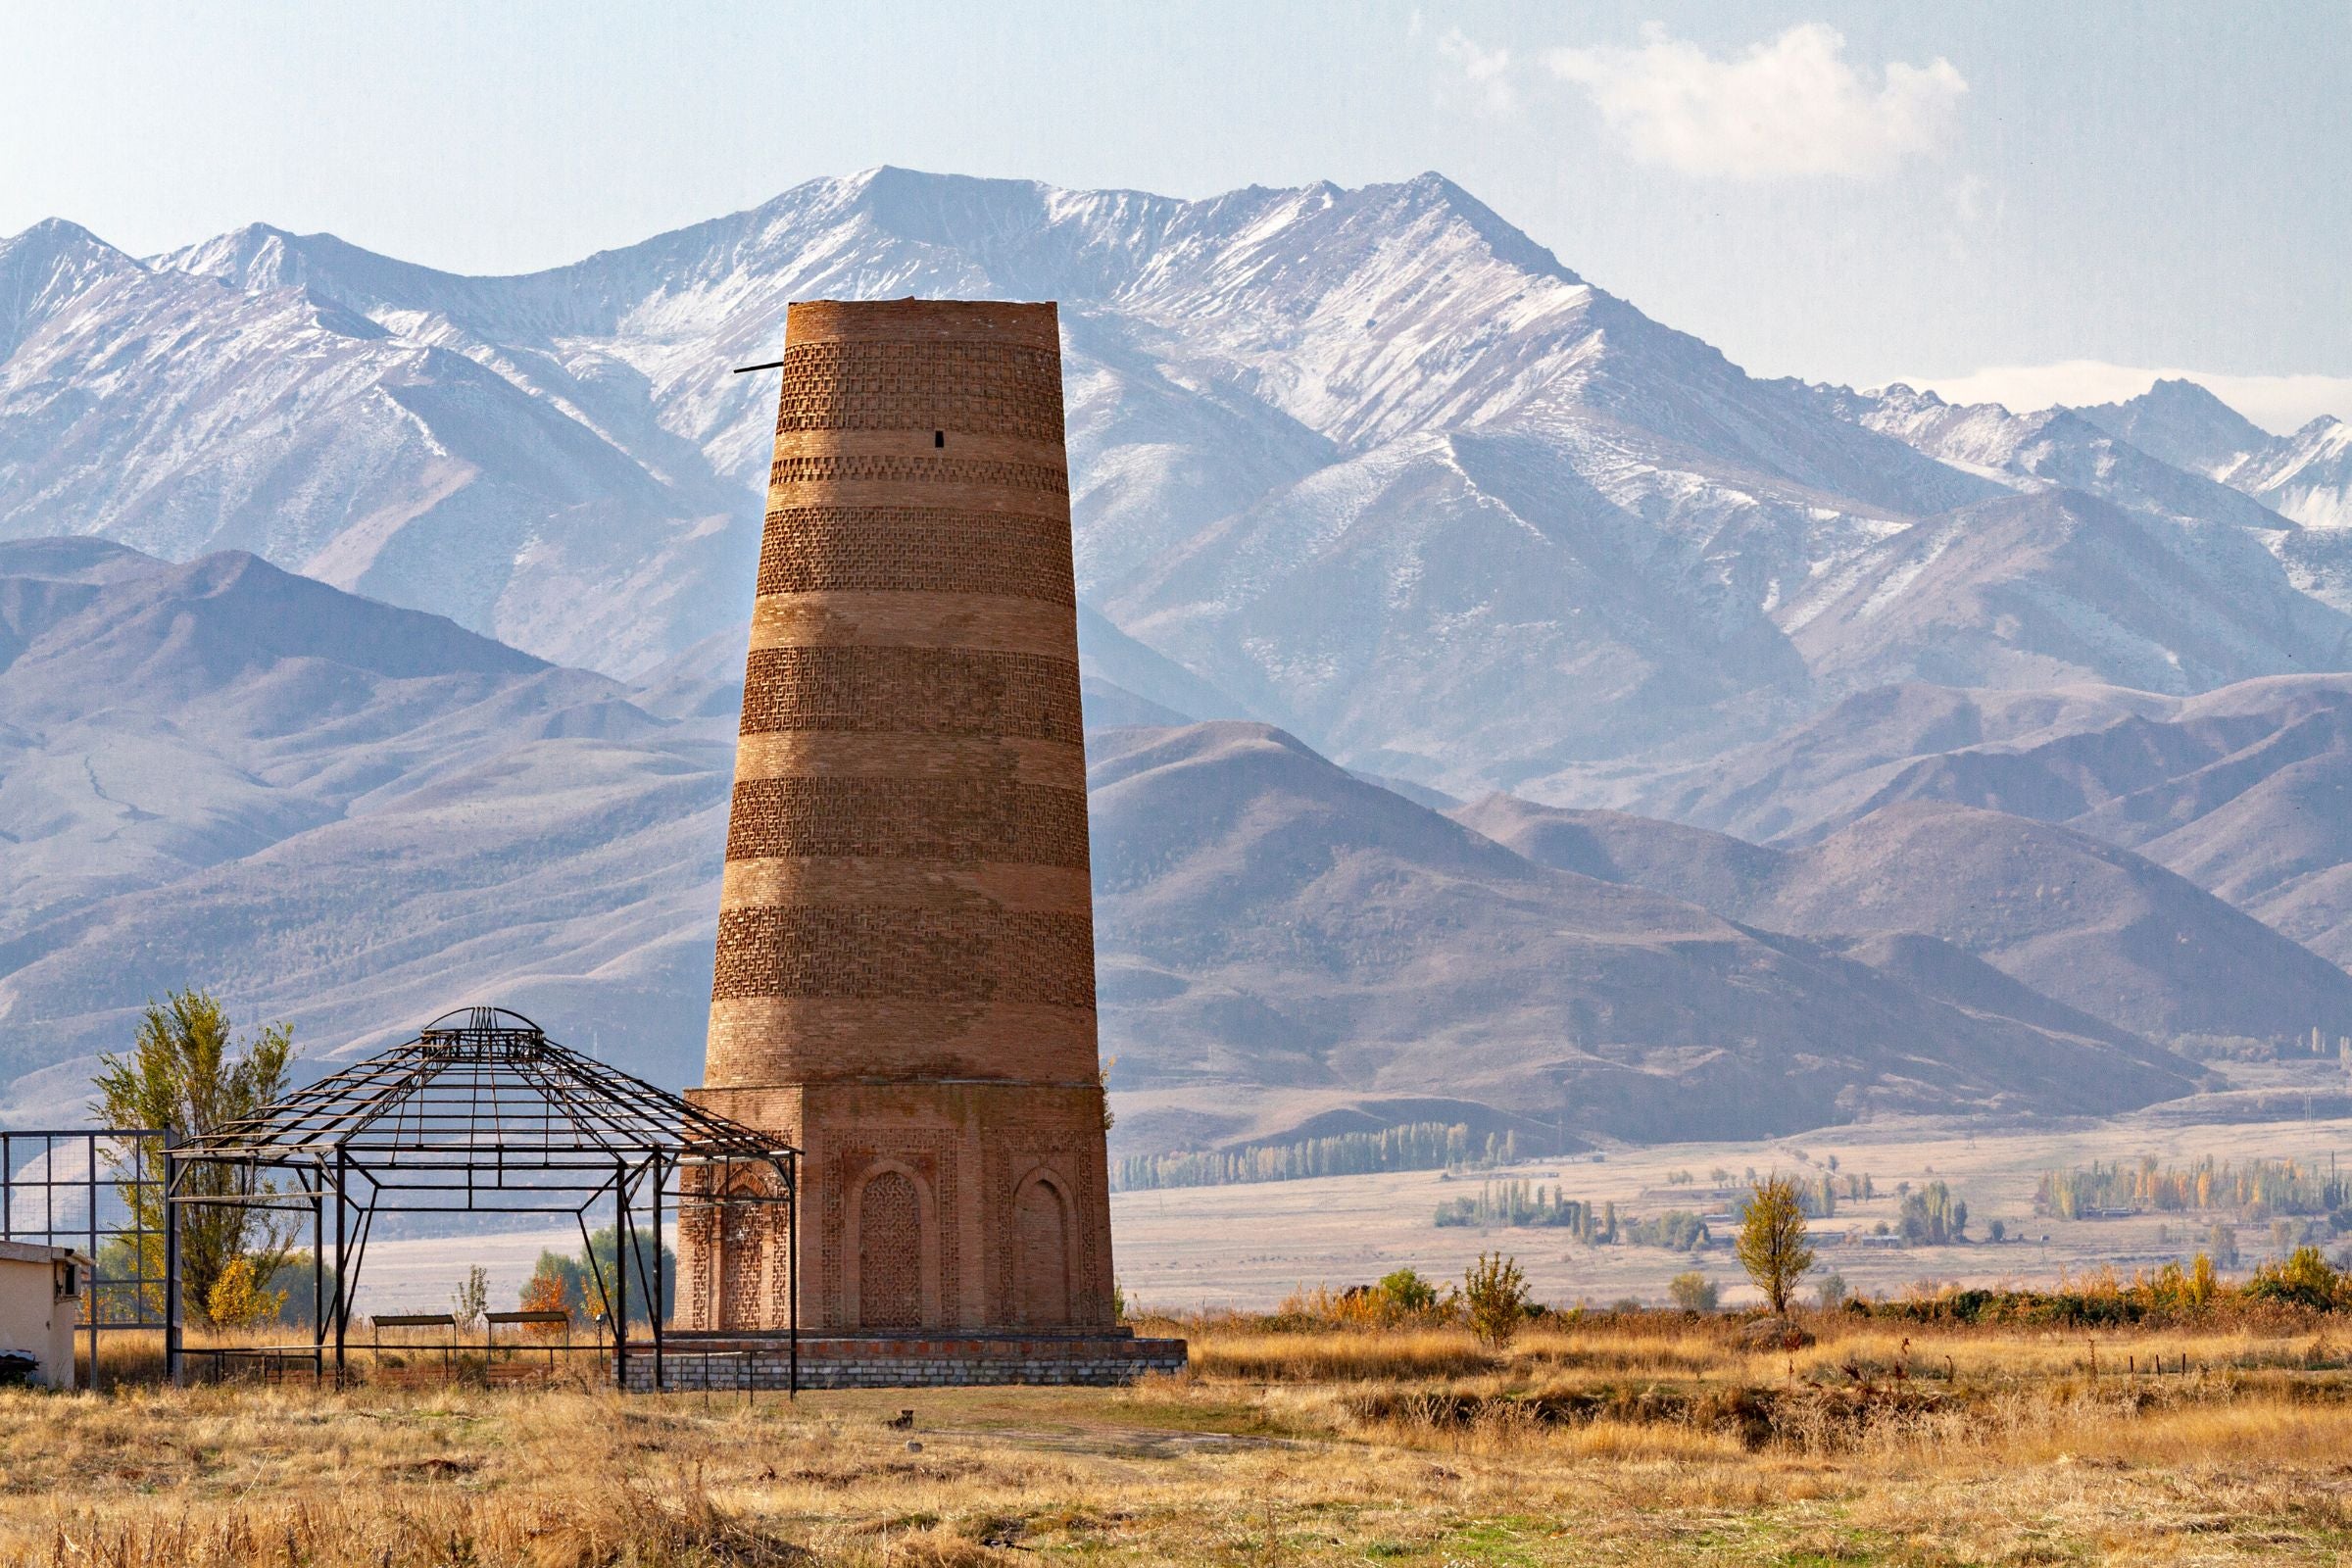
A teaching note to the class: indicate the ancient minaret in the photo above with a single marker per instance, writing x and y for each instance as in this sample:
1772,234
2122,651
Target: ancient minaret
904,980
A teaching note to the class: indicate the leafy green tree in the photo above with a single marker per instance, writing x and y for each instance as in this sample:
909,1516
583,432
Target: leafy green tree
1494,1295
1932,1216
1693,1291
1406,1292
186,1076
1773,1247
568,1282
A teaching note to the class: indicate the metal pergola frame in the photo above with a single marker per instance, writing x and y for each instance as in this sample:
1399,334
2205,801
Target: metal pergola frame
83,1188
481,1114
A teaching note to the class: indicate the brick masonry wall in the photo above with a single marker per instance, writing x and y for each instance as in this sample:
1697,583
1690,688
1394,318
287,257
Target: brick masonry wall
905,913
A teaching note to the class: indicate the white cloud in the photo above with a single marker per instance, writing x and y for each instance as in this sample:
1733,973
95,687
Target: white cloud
2279,404
1968,197
1791,105
1487,71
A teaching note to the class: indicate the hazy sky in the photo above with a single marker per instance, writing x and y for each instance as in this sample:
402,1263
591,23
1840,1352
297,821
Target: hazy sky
1843,192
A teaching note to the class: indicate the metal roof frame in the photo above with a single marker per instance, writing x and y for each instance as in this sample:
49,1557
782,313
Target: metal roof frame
482,1113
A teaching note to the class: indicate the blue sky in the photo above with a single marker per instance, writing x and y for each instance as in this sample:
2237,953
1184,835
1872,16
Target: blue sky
2029,201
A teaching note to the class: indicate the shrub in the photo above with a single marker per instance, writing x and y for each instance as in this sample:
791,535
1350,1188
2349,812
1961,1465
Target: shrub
2304,1279
1495,1296
1405,1291
544,1292
470,1301
238,1298
576,1286
1693,1291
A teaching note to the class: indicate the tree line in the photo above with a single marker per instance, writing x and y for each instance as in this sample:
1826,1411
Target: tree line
2255,1188
1409,1146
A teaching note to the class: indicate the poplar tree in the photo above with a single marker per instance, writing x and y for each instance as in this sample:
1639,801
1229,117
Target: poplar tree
1772,1239
185,1077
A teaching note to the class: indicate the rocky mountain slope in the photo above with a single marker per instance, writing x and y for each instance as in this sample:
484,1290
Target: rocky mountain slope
352,816
2098,929
1319,932
2306,477
1368,468
2246,791
340,814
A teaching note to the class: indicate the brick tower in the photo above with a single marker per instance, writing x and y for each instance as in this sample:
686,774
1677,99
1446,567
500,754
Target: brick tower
904,982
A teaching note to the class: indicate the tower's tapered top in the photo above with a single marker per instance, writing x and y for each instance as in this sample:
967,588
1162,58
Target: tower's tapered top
1035,325
906,896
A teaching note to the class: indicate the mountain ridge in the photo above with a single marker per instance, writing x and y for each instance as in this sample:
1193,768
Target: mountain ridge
563,450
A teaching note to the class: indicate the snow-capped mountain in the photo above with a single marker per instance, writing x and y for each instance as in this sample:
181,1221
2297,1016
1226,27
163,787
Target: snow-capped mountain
1367,463
2306,477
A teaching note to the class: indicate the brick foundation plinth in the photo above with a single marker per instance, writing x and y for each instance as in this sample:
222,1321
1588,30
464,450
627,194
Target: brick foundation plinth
692,1361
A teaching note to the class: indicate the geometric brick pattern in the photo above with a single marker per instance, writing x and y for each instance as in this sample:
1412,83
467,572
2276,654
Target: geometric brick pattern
929,690
867,468
952,820
890,1254
939,550
976,388
904,982
981,955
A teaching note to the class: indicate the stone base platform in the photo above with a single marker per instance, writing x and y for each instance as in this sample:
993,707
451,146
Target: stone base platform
930,1359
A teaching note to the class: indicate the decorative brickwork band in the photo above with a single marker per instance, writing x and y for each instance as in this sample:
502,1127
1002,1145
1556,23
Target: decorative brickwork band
939,550
954,820
877,953
873,469
988,388
931,691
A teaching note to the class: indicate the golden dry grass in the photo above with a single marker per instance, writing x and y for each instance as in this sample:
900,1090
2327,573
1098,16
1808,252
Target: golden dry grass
1649,1440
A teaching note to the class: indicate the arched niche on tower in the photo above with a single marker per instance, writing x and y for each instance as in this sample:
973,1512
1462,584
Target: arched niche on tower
1044,1242
890,1275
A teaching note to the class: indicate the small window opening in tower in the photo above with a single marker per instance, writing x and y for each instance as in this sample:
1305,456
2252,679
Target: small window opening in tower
939,438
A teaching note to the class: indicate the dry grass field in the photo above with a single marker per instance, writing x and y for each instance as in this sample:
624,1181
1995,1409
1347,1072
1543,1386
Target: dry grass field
1646,1439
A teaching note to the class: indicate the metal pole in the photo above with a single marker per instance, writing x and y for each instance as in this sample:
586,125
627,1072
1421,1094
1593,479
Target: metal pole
342,1262
89,1285
170,1222
792,1274
623,1245
319,1274
657,1303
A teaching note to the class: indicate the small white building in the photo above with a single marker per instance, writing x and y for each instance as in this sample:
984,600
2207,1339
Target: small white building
41,1294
